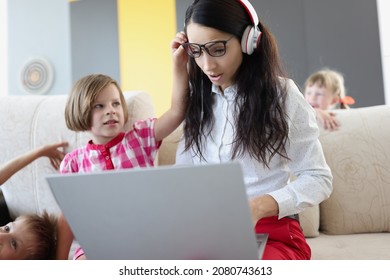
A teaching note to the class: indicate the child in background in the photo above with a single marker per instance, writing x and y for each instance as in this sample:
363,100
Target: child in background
325,90
96,104
30,236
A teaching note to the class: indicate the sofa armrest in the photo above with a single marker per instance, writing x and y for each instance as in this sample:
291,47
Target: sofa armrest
4,214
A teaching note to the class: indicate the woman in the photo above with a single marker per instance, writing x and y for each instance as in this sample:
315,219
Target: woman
243,108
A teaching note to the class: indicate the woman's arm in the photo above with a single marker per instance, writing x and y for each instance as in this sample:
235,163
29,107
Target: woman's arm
51,151
313,178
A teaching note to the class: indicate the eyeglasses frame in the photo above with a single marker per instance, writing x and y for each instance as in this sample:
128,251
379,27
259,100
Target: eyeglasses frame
204,46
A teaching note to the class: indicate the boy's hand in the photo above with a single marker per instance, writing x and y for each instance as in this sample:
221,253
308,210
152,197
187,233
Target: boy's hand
55,153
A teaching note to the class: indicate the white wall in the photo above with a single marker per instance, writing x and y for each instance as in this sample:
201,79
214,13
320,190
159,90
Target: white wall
3,48
384,24
39,29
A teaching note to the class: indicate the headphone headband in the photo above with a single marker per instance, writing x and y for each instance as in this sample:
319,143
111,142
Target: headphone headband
251,11
251,36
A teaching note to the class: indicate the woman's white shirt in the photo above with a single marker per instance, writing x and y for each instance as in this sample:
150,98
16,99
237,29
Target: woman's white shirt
313,182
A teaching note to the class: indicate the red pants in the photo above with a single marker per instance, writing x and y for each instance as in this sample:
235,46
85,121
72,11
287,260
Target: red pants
285,241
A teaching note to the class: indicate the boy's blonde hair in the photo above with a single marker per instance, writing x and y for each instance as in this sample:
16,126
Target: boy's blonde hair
331,79
41,231
82,96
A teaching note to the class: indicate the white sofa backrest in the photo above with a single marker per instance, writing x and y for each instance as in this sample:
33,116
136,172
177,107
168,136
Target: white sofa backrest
31,121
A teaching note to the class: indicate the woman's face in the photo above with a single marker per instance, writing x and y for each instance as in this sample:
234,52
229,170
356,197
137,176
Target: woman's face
220,70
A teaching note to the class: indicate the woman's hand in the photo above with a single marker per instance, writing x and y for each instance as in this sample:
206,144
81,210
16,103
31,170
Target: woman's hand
263,206
180,57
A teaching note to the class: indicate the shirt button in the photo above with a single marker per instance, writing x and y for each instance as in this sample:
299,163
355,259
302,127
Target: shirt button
107,157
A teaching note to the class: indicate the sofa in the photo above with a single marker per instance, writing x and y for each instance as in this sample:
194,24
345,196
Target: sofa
354,223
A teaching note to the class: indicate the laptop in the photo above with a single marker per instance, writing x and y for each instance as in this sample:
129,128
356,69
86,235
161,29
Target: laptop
160,213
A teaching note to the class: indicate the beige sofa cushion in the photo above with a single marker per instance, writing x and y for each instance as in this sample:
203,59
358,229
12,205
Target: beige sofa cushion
359,246
359,157
167,152
310,221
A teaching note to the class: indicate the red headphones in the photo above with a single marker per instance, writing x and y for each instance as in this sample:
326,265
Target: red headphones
251,36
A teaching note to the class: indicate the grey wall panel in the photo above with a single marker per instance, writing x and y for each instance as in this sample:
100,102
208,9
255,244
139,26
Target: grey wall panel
311,34
181,7
345,35
285,19
94,38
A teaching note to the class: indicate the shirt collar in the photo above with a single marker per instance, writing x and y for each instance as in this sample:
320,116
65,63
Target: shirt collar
108,145
229,93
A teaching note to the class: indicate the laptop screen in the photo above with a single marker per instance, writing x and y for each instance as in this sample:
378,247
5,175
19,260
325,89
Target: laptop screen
169,212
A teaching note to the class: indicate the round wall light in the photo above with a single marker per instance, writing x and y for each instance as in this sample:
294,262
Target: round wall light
37,76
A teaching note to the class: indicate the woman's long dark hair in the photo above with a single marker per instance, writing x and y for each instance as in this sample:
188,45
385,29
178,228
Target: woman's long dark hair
261,126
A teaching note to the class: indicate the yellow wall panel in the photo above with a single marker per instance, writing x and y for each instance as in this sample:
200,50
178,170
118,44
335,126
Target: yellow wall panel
146,29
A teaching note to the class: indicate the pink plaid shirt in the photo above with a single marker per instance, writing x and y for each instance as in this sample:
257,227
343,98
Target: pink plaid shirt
135,148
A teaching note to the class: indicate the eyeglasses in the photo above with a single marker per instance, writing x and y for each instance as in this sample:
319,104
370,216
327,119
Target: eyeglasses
214,48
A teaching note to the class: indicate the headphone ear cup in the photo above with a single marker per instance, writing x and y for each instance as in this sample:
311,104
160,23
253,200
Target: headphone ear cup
246,42
250,39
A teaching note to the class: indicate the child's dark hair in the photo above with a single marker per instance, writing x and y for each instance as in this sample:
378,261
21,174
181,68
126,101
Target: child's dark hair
42,231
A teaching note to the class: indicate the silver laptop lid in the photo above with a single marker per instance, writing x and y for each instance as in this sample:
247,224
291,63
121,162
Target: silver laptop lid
170,212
